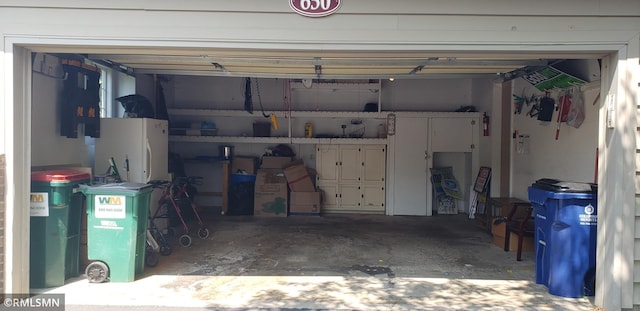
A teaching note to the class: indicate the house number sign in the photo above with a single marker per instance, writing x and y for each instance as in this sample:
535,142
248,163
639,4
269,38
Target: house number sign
314,8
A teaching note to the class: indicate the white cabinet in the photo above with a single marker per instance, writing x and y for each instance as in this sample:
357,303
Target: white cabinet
421,142
352,177
448,134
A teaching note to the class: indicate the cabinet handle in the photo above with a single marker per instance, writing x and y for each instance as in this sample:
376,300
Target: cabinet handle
473,146
358,178
382,178
341,195
340,162
363,196
336,195
473,122
362,163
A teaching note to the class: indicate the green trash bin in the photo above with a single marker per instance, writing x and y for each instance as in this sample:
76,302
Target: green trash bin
116,230
55,209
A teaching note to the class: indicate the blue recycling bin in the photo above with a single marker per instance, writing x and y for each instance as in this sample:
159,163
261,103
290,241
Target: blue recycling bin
565,236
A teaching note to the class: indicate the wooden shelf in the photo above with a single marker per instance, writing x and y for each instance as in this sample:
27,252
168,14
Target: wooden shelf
294,114
373,87
276,140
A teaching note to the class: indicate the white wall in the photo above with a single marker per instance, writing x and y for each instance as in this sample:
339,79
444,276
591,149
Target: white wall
48,147
571,157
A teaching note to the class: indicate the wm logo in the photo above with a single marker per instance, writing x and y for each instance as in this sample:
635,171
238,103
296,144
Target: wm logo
37,197
110,200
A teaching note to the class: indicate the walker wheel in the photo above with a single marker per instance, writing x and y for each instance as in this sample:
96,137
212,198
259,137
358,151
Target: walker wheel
151,259
97,272
203,233
185,240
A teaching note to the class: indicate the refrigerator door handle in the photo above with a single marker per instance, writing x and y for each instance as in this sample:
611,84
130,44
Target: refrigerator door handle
149,162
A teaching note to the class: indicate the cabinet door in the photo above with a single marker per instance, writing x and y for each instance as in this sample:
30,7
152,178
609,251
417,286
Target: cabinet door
330,195
373,197
350,196
452,134
373,163
327,163
350,165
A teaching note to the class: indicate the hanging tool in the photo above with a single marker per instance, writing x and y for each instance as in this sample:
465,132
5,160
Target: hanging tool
564,104
126,165
547,105
271,117
248,101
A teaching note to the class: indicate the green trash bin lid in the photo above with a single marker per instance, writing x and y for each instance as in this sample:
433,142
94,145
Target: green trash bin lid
60,176
116,188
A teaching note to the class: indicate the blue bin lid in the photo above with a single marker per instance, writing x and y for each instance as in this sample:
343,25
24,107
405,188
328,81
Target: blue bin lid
555,185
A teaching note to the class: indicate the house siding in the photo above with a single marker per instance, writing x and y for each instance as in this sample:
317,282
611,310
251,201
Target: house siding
636,244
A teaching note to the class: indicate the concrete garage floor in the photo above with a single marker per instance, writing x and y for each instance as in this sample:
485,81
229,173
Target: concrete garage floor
335,262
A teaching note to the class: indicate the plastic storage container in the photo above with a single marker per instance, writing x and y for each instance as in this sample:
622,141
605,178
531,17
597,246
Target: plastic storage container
56,207
116,230
565,236
241,194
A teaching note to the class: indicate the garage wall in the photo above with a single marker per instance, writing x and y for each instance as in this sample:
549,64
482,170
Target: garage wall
48,147
571,157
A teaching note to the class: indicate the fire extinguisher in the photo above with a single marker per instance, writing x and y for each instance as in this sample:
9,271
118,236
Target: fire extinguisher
485,124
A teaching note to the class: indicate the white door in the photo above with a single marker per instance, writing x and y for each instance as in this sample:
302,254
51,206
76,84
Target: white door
350,165
373,196
330,195
410,161
156,166
373,163
350,196
327,163
452,134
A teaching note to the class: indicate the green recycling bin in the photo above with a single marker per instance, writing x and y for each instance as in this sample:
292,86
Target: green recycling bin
55,209
116,230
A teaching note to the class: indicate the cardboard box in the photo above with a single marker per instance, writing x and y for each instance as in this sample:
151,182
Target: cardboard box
270,195
499,230
298,178
305,203
275,162
245,164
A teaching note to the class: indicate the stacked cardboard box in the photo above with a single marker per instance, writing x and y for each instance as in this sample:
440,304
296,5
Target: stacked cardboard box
305,200
270,195
244,165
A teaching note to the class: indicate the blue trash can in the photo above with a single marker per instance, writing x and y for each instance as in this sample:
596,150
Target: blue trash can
566,218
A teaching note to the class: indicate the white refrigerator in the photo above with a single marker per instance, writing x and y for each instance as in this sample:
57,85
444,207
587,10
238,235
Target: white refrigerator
143,142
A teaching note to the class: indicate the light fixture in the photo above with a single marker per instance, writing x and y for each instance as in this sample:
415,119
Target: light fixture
392,79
